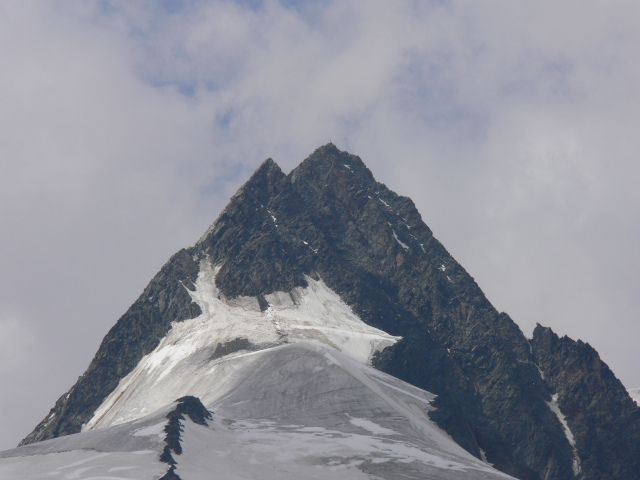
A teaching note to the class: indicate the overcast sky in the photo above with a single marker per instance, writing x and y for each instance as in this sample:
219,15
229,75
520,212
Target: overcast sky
126,126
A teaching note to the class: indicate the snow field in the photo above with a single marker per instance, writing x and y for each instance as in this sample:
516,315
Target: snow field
84,465
301,410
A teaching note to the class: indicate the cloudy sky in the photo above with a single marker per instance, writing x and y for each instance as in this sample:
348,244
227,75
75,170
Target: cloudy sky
126,126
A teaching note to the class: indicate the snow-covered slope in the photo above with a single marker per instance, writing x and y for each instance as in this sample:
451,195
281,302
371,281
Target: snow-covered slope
302,410
129,451
202,356
313,412
292,396
635,394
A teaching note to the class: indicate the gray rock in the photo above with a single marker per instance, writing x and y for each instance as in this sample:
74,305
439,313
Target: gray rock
602,417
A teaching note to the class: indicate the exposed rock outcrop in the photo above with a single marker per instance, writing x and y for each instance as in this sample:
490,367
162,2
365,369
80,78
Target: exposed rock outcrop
602,417
193,408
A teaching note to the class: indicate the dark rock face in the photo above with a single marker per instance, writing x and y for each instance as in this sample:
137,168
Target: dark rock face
193,408
330,218
255,257
602,417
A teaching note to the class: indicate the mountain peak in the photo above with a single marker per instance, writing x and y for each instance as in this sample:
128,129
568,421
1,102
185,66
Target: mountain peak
264,182
329,235
268,165
328,165
328,149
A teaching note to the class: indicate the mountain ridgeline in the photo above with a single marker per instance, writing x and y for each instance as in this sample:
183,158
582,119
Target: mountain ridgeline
546,408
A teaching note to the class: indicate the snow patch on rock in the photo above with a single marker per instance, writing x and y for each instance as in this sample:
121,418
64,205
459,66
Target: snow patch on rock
553,406
400,242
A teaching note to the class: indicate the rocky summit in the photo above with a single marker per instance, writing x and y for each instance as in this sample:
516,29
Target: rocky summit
328,258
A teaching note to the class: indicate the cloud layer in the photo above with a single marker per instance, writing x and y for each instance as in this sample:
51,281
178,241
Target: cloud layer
126,126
